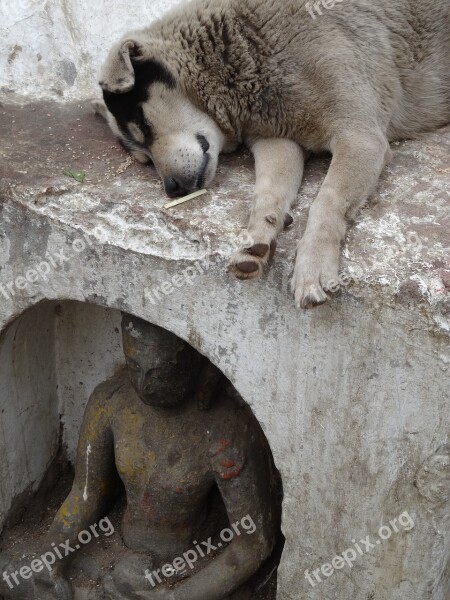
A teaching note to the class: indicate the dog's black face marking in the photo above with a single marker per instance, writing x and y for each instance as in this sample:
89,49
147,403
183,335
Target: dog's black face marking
127,108
203,142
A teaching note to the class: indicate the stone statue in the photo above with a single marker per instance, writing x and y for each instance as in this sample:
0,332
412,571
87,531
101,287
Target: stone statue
175,446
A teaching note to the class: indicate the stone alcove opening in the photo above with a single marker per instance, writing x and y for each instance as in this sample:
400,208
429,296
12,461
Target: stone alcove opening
51,359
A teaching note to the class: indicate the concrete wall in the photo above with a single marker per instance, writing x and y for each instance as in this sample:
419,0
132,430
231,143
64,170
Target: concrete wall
88,349
29,417
55,47
353,399
51,359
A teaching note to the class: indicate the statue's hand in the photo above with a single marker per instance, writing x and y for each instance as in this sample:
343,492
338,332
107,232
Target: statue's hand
50,586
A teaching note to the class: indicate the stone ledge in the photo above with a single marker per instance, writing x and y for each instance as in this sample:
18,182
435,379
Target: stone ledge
396,252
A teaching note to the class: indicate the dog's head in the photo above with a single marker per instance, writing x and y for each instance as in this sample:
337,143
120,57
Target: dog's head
153,118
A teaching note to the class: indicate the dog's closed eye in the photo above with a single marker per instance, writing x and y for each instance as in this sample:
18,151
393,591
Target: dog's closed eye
138,154
203,143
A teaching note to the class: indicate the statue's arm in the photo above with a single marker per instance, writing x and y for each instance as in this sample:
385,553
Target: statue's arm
246,480
95,476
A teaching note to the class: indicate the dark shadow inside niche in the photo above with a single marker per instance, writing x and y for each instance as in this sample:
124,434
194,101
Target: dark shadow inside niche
193,475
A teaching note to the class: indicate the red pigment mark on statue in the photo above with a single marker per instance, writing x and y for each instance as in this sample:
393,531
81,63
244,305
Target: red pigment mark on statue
178,491
227,463
231,474
147,506
219,447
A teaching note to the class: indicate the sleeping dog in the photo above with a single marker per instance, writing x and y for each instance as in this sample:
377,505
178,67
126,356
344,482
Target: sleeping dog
285,80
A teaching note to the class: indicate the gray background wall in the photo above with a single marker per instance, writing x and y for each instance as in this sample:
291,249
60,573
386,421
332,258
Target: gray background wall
54,48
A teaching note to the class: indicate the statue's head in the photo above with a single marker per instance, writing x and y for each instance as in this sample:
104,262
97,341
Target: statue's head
162,368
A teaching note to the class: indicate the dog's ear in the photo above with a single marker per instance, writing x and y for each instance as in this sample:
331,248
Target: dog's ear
118,75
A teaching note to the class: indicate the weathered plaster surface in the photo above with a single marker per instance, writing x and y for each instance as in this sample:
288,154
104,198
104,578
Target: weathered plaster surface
353,396
54,48
29,418
88,351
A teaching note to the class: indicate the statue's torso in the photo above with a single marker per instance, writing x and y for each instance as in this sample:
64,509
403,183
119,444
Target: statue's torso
165,463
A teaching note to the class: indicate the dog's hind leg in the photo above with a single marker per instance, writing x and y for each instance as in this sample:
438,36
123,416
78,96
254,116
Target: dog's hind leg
279,171
358,159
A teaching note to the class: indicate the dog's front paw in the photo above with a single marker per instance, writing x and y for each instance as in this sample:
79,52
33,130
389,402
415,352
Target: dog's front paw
316,274
249,261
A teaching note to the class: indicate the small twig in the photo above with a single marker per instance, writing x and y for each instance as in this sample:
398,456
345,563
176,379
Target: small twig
186,198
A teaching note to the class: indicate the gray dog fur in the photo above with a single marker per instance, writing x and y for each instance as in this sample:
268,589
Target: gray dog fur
285,80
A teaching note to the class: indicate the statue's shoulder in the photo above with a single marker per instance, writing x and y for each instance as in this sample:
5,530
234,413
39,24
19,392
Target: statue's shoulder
229,411
109,389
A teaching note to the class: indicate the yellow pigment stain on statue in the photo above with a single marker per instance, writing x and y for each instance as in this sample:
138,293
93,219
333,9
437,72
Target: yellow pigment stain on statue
67,511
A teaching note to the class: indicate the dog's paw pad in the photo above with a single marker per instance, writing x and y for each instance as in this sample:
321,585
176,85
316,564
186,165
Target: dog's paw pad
248,263
247,268
263,251
259,250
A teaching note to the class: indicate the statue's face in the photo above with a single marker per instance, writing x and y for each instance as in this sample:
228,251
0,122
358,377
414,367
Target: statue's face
162,368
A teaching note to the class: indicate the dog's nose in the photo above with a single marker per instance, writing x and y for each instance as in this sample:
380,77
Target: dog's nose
173,187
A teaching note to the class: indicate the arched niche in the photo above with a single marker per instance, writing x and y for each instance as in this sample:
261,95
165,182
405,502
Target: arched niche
52,357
